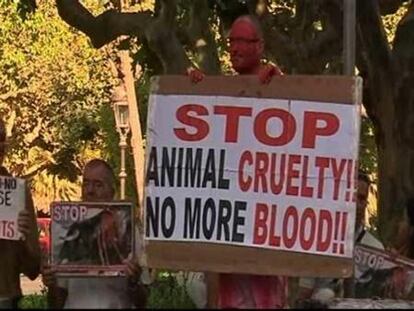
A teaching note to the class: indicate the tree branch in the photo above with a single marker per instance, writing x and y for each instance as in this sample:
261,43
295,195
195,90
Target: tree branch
13,94
36,171
279,45
324,45
201,37
304,16
390,6
403,52
403,58
163,40
105,27
374,57
303,48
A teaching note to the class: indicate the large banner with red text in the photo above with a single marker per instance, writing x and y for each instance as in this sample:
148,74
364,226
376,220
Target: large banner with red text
260,172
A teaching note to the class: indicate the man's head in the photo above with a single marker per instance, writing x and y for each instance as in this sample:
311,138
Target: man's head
98,181
246,45
362,197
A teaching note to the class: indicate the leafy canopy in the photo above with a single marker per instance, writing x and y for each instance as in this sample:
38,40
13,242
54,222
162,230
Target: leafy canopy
53,85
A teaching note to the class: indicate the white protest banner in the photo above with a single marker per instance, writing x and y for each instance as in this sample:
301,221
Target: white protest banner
90,238
12,201
259,168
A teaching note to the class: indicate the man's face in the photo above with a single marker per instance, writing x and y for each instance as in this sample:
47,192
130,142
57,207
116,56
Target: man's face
362,201
96,185
246,47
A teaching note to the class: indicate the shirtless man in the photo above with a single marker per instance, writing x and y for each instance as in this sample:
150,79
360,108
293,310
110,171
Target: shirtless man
246,46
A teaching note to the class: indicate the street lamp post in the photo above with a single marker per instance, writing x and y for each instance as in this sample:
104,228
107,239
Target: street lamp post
349,22
121,112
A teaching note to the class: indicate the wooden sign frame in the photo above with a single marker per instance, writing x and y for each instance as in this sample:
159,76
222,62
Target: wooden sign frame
199,256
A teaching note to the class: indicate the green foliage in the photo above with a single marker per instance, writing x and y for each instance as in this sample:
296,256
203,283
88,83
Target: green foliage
52,86
166,293
391,21
368,156
142,86
34,301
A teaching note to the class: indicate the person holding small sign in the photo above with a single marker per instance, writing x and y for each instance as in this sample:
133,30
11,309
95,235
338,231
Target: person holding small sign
113,292
246,46
17,256
326,288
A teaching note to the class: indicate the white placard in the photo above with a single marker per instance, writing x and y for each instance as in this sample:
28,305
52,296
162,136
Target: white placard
266,173
12,201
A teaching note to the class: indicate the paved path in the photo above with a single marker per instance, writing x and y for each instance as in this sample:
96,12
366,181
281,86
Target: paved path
31,287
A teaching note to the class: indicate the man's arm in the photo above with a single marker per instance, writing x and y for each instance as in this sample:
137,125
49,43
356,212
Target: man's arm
56,296
267,71
29,248
137,291
139,294
196,75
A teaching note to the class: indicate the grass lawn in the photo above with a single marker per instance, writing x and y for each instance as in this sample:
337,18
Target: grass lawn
165,293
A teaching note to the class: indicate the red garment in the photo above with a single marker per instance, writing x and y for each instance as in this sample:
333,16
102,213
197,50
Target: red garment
252,291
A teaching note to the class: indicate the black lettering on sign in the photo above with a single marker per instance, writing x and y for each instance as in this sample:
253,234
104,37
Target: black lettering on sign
224,220
168,166
180,167
152,168
8,183
238,221
210,170
223,183
186,167
192,219
208,220
156,218
168,207
152,217
193,168
5,198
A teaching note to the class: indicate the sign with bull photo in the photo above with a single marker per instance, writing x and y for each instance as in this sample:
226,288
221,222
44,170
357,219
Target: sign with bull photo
382,274
91,239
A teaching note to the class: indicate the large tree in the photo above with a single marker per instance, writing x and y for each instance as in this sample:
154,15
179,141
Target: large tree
302,37
52,88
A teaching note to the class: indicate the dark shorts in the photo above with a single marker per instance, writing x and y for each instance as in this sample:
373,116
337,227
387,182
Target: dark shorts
11,303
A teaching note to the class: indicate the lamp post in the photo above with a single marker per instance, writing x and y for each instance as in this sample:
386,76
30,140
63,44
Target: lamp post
121,112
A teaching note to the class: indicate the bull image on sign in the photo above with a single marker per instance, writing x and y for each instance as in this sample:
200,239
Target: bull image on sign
91,238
